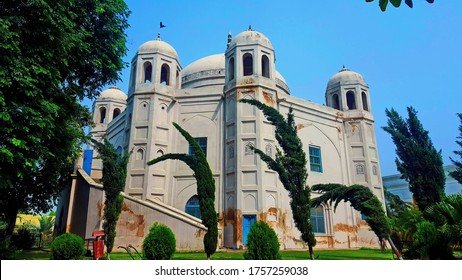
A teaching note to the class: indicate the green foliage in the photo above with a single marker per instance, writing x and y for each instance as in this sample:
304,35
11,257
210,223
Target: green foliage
45,228
67,246
429,243
384,3
448,215
290,164
197,161
114,175
457,174
262,243
54,53
24,238
160,243
361,199
418,161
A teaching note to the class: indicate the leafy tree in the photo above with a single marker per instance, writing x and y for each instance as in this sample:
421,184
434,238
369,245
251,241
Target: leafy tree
384,3
457,174
417,159
362,200
290,164
53,54
114,175
197,161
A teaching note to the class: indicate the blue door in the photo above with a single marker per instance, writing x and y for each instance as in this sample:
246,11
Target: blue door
247,222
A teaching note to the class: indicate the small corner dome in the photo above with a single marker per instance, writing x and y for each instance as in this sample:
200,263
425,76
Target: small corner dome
250,37
113,93
157,46
345,76
211,62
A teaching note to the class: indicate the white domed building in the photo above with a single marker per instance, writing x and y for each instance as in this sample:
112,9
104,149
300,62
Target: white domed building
339,141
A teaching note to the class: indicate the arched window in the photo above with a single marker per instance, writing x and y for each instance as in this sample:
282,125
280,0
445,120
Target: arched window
359,169
247,61
165,74
317,220
248,149
102,115
335,102
374,169
139,154
364,99
231,69
115,113
269,150
351,102
265,66
177,78
147,73
192,207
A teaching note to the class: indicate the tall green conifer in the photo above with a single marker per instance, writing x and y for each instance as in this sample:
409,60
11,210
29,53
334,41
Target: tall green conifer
417,159
114,175
290,164
197,161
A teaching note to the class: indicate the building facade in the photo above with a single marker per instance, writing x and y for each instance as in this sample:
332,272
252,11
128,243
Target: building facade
339,141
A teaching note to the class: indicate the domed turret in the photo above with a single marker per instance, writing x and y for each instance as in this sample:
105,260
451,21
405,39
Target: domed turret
156,62
347,90
110,103
250,53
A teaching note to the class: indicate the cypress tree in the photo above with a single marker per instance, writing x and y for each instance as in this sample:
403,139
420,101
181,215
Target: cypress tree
114,175
457,174
417,159
290,164
362,200
197,161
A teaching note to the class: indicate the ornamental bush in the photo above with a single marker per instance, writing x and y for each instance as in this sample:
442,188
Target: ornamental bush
25,238
160,243
68,246
262,243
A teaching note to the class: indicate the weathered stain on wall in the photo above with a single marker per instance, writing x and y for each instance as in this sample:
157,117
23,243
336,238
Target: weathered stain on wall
132,221
268,99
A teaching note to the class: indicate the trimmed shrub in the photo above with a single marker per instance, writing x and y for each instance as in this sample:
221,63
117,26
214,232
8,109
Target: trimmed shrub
262,243
23,239
67,246
160,243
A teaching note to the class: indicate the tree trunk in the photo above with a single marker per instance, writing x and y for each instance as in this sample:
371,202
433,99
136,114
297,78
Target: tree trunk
310,248
10,215
395,250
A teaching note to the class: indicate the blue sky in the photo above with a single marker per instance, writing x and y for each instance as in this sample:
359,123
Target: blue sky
409,57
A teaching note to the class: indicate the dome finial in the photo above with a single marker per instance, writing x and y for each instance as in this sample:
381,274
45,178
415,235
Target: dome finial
250,28
230,38
158,36
344,68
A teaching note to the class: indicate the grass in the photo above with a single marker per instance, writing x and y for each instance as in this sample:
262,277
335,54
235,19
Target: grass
352,254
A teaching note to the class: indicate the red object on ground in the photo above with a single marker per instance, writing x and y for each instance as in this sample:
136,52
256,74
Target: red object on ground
98,244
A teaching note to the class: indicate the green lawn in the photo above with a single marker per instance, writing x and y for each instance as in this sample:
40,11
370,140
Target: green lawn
360,254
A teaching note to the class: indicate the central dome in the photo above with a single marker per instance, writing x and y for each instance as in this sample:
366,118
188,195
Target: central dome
251,37
207,71
211,62
157,46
